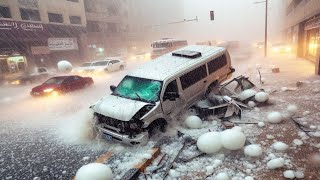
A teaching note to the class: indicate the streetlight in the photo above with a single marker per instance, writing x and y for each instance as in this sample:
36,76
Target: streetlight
266,26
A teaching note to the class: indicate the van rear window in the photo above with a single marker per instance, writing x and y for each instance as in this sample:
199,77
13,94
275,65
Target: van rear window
193,76
217,63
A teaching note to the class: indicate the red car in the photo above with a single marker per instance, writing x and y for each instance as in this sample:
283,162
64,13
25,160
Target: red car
60,85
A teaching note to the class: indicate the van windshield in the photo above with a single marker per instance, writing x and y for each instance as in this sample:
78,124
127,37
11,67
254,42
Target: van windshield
140,89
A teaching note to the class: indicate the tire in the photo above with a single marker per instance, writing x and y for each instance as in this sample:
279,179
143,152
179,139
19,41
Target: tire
157,125
121,67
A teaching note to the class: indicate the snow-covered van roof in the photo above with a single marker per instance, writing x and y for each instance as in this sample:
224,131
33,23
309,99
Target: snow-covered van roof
168,65
167,40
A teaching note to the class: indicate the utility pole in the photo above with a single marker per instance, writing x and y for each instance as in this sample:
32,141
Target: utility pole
265,28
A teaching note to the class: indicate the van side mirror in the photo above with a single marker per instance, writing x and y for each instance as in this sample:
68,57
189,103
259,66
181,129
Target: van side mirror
113,87
171,96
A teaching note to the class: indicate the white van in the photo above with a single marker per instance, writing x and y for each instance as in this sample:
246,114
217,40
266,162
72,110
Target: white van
159,91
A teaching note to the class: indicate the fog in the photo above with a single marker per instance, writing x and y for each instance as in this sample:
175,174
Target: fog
234,20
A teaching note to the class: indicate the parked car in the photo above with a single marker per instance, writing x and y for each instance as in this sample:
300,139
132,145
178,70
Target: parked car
156,93
107,65
82,68
281,48
61,85
38,75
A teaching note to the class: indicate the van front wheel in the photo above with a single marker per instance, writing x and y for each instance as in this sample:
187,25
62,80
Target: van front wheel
213,87
156,126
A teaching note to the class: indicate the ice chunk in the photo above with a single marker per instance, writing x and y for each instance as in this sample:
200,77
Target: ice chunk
232,139
222,176
306,113
64,66
297,142
261,124
193,122
174,173
253,150
247,93
209,142
261,97
275,117
275,163
280,146
251,104
292,108
209,169
299,174
248,178
289,174
94,171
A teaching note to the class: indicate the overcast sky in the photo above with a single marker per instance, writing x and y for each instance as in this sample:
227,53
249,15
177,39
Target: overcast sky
234,19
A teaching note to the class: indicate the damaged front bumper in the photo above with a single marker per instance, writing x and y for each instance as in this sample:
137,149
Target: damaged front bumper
109,135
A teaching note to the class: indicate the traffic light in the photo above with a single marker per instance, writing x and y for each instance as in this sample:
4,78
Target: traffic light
211,15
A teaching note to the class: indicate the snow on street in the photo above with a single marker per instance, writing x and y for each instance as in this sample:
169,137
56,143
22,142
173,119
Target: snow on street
50,138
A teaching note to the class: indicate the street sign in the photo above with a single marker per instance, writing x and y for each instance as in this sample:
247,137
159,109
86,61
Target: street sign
211,15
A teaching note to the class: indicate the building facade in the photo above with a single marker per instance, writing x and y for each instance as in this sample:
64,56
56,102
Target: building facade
303,28
107,27
40,32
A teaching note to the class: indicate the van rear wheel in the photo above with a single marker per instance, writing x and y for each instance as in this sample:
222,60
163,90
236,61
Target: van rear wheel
156,126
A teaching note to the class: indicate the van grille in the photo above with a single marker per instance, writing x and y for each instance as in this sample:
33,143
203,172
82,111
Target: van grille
124,127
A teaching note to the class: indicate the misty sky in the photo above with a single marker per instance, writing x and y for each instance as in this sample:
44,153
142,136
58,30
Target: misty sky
234,20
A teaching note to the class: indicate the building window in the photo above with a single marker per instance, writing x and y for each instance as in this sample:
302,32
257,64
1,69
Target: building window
5,12
30,14
75,19
57,18
73,0
93,26
217,63
193,77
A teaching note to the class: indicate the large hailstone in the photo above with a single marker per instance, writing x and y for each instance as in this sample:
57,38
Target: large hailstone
261,97
209,142
274,117
275,163
247,93
253,150
94,171
280,146
233,139
222,176
292,108
289,174
64,66
193,122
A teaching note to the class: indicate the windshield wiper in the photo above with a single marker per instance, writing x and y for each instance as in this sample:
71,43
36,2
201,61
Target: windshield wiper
138,96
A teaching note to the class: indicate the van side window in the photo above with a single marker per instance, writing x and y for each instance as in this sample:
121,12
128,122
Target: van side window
172,87
193,77
217,63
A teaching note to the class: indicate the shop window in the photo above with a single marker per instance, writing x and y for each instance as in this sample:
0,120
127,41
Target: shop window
57,18
5,12
29,14
193,76
75,19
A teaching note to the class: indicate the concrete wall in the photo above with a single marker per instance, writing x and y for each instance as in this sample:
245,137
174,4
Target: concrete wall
64,7
304,10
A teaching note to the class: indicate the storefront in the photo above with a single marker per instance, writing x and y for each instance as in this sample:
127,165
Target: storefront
312,34
38,44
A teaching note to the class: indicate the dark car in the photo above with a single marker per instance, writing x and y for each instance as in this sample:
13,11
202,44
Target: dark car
40,74
61,85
